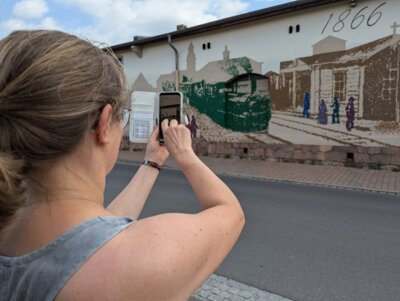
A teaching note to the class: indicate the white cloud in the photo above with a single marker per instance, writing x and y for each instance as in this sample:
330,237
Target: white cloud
29,14
227,8
19,24
119,20
13,24
275,1
30,9
48,23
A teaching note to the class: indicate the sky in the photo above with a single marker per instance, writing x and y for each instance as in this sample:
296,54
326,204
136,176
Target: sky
116,21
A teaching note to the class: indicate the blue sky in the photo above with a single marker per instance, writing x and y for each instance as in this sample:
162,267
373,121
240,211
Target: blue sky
117,21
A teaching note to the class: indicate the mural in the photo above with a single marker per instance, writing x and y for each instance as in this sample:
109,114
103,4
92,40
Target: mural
231,92
368,73
335,96
351,89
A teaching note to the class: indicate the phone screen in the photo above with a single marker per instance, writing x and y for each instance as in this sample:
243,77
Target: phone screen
170,108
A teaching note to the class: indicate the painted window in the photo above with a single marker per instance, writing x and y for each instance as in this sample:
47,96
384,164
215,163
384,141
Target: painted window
206,46
340,84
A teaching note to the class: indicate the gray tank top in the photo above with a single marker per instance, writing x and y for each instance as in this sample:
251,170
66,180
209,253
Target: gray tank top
40,275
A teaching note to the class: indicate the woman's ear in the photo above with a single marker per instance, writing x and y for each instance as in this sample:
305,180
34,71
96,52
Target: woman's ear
103,128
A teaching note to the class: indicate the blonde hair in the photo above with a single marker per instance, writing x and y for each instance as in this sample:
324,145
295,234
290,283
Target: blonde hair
52,87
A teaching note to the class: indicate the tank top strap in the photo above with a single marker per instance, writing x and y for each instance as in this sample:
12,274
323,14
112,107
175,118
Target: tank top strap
40,275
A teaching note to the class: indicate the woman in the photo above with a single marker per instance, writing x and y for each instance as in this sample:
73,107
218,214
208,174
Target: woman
62,106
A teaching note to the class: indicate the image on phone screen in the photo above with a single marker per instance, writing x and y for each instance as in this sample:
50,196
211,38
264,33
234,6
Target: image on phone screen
170,108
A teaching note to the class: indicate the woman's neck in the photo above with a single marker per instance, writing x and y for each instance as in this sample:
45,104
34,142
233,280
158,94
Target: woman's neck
37,224
60,197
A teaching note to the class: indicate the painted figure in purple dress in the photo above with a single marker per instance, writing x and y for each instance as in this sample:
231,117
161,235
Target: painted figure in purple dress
350,114
322,116
193,127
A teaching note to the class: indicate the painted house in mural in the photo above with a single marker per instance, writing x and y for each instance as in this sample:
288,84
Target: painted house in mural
318,72
369,73
234,96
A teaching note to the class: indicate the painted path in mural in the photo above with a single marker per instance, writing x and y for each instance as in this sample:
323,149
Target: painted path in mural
298,130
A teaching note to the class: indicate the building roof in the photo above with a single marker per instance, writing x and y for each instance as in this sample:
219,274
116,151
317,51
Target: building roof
328,39
362,52
282,9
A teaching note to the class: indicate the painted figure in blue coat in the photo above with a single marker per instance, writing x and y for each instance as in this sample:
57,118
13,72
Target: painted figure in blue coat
306,105
335,113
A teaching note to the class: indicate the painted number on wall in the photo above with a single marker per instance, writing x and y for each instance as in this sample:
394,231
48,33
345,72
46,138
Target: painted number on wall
340,21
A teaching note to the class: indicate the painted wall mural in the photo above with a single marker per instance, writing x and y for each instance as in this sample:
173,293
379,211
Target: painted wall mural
229,91
334,96
368,73
351,89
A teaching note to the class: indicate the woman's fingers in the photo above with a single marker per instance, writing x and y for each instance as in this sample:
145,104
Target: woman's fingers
176,136
154,134
173,122
164,124
154,151
168,123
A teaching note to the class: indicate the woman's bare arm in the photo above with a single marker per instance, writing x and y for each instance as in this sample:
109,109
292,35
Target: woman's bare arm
132,198
175,253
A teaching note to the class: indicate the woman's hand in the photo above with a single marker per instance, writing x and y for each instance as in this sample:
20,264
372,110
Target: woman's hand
176,138
154,151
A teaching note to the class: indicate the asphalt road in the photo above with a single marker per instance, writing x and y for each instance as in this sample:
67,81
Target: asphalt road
302,242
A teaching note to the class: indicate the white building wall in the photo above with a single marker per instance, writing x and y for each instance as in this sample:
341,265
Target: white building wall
268,41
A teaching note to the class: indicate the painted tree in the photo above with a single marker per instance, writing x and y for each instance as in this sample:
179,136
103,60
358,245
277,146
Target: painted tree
168,86
233,66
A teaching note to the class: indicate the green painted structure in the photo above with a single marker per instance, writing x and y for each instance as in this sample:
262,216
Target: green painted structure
241,104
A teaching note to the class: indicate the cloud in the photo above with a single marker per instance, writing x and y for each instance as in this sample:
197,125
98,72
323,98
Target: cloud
29,14
119,20
275,2
19,24
227,8
48,23
30,9
13,24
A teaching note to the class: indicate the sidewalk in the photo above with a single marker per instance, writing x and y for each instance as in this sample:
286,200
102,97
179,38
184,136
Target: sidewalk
333,176
217,288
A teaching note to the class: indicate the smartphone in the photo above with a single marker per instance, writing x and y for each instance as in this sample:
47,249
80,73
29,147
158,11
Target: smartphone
170,107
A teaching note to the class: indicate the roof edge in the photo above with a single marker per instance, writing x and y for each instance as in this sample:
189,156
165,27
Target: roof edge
228,22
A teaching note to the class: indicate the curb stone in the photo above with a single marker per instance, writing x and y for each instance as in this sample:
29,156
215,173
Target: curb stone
270,179
218,288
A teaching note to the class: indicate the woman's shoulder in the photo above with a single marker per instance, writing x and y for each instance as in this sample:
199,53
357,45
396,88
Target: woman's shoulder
164,257
132,265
